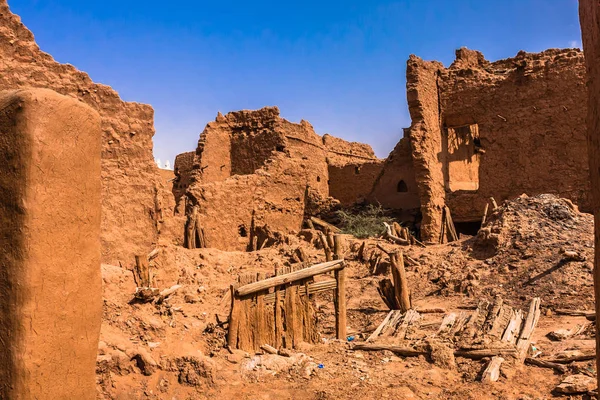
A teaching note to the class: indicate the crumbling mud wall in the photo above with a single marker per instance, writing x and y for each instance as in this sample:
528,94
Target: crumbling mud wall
523,129
254,169
426,142
184,163
131,187
396,186
50,284
589,13
353,169
485,129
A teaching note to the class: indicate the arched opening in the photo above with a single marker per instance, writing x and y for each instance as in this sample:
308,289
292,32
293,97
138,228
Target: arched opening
357,170
318,179
402,188
243,231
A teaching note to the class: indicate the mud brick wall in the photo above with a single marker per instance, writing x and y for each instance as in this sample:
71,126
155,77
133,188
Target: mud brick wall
130,178
530,112
426,141
353,169
482,129
50,285
253,168
396,186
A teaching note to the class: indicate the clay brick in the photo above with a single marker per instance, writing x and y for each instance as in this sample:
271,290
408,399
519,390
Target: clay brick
50,287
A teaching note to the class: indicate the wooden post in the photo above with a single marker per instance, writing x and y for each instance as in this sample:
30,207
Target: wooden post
450,225
589,15
232,333
141,273
485,211
340,292
494,204
400,281
326,247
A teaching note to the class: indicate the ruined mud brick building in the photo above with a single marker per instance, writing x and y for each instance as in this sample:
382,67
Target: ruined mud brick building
481,129
255,172
132,189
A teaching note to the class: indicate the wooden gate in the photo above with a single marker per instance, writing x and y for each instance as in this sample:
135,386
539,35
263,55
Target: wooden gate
278,311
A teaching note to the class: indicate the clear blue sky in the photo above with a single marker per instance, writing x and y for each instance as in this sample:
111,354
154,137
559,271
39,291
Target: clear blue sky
339,64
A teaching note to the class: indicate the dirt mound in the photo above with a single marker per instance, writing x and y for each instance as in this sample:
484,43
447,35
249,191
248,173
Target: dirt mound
534,246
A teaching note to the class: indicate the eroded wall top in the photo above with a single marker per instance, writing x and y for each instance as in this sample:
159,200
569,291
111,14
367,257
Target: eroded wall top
131,187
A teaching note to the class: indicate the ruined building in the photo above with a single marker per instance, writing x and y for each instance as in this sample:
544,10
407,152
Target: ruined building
255,174
482,129
133,194
479,129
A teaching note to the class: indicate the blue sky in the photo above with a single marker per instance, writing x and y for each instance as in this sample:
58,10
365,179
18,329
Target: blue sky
338,64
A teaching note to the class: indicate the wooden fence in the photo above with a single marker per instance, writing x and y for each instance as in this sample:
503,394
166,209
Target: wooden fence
278,311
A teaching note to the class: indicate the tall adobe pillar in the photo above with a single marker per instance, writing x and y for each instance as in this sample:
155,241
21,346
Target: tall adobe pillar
50,284
589,13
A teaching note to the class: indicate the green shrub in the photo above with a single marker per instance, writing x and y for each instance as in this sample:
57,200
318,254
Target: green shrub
364,223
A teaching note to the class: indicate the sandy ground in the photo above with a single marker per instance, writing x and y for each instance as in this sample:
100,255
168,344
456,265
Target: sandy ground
177,349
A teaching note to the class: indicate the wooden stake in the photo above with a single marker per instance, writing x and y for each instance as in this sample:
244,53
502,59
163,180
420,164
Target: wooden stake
494,204
485,211
340,292
328,256
400,281
141,273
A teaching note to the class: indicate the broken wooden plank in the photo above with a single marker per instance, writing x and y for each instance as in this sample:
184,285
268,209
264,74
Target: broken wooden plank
446,325
513,328
459,324
410,318
492,371
402,351
291,277
575,313
546,364
528,327
380,327
408,352
583,356
501,322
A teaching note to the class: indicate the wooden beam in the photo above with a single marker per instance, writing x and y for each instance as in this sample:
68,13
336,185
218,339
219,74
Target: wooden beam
546,364
402,351
325,225
318,269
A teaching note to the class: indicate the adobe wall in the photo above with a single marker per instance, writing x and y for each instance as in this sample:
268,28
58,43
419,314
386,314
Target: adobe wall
131,187
184,163
353,169
426,142
482,129
589,14
50,284
396,187
530,112
253,168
